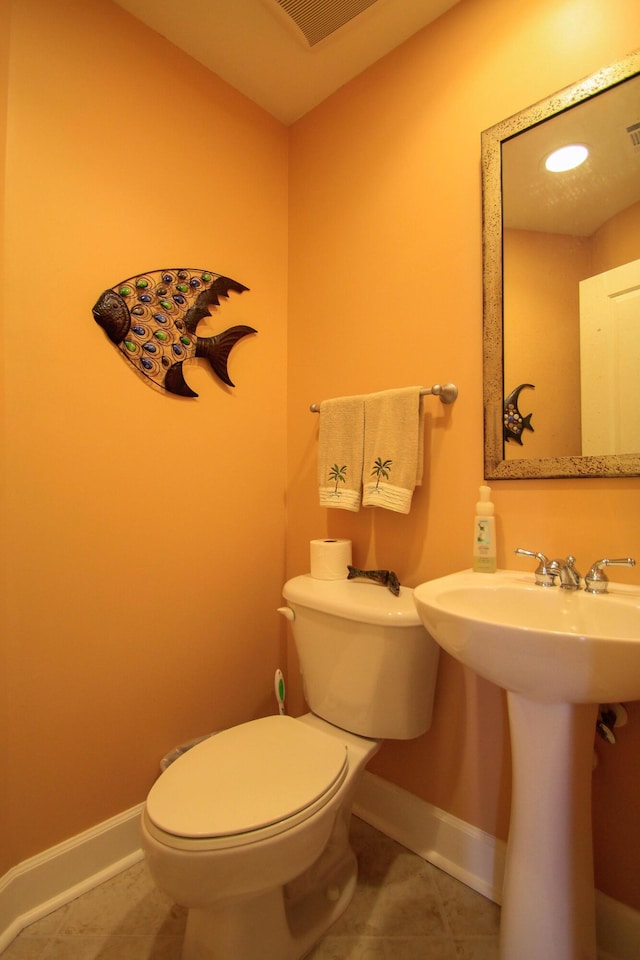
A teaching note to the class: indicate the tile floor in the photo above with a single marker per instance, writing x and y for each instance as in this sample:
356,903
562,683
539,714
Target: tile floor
403,909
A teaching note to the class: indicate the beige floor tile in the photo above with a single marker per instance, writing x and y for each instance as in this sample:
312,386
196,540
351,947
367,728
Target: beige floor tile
114,948
396,894
26,948
468,913
127,904
477,948
47,926
383,948
403,909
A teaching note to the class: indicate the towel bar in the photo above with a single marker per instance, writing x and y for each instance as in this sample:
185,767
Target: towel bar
447,393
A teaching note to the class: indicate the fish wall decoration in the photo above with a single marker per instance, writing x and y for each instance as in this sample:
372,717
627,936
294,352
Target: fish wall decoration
152,319
514,422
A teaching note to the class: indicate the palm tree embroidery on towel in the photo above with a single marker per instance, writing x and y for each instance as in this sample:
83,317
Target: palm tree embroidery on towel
381,470
339,474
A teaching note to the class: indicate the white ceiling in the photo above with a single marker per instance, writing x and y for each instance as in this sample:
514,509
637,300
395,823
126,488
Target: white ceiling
256,47
581,200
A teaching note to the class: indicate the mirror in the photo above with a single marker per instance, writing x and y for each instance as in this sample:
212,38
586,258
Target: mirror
548,240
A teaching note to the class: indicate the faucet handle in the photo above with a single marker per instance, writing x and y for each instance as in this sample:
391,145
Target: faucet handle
596,581
543,574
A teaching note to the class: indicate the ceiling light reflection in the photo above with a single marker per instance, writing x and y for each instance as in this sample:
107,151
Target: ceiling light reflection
566,158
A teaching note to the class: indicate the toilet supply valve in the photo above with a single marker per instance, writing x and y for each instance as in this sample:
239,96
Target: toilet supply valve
596,581
610,715
545,577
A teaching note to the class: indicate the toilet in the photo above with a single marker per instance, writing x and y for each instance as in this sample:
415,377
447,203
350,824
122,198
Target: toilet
249,829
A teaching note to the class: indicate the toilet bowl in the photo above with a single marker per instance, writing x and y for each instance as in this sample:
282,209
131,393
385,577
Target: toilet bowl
249,829
233,874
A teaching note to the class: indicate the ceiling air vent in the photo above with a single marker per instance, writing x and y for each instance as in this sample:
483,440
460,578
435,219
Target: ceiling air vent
318,20
634,135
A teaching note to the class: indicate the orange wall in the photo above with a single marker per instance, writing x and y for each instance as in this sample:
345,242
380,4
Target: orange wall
136,525
4,67
617,241
123,154
542,337
386,290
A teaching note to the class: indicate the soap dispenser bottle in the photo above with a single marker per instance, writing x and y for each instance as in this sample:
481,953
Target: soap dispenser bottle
484,534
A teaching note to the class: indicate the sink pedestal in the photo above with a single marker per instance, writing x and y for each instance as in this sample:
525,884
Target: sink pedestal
558,654
548,906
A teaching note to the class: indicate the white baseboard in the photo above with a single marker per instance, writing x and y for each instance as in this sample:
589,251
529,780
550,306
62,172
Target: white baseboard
460,849
474,857
618,929
47,881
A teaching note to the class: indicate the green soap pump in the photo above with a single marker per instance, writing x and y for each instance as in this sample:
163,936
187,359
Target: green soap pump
484,534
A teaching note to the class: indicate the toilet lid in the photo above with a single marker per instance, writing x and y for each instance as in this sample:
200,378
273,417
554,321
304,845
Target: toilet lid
247,778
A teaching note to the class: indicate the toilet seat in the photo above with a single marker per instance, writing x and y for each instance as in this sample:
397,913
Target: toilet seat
245,784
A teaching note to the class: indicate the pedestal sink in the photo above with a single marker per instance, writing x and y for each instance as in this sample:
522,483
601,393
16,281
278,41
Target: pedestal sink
558,654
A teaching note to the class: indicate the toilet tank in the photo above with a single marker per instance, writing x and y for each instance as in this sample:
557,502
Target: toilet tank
368,665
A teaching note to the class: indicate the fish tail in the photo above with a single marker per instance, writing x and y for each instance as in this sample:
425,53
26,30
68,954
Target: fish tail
526,423
217,349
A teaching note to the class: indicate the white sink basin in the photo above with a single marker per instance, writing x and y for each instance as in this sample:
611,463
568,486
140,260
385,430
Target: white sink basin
545,643
558,654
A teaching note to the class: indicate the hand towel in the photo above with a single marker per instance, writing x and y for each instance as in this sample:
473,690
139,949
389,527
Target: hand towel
340,451
393,448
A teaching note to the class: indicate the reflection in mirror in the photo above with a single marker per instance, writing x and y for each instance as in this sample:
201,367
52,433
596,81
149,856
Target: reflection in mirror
561,258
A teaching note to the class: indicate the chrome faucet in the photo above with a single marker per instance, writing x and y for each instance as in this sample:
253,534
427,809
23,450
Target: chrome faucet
596,581
566,573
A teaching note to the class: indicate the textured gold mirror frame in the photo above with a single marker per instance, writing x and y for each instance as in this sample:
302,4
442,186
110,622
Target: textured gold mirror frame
495,466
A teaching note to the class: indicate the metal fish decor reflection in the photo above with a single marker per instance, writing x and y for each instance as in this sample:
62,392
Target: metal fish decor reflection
514,422
152,319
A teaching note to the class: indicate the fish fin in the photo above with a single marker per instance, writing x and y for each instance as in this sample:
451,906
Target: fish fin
217,349
175,382
515,393
211,296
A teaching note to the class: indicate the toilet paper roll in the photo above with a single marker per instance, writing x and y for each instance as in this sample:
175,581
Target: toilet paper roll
330,559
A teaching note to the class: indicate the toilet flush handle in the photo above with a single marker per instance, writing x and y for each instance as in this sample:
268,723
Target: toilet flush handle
287,612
